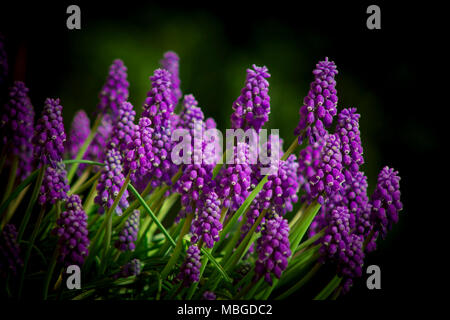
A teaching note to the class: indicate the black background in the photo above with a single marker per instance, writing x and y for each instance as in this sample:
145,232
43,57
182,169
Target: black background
413,109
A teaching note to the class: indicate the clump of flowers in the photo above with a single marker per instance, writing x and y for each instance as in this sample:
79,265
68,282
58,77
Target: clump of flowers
242,234
72,233
17,128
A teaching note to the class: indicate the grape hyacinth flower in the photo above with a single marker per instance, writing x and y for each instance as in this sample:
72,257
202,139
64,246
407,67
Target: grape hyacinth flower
190,185
110,183
158,104
17,128
10,259
139,155
252,107
123,127
273,249
132,268
72,232
190,269
115,89
170,62
190,113
50,137
385,201
54,185
342,247
348,130
206,224
319,106
209,295
234,179
324,173
79,132
128,235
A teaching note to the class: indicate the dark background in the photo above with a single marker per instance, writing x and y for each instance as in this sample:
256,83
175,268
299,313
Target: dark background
384,73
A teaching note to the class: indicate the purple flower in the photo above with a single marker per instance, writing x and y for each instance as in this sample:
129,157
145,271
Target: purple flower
50,137
54,185
385,201
159,105
78,133
123,127
170,62
340,246
192,183
348,130
110,183
139,154
115,89
128,235
132,268
10,259
190,113
206,224
190,269
319,106
210,123
17,128
71,229
273,248
324,174
252,107
234,179
209,295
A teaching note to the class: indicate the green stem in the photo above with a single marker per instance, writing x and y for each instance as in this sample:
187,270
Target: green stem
11,179
19,189
299,284
79,189
177,251
49,274
108,225
29,249
83,148
329,288
33,199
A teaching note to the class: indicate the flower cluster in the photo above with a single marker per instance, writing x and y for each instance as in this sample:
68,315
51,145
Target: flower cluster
110,183
54,185
348,130
234,179
17,128
340,246
50,137
209,295
96,149
190,269
132,268
273,249
79,132
190,113
324,173
71,229
252,107
206,224
159,104
115,90
385,201
128,235
123,127
10,258
319,106
170,62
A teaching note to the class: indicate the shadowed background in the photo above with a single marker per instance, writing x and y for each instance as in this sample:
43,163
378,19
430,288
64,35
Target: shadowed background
378,74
